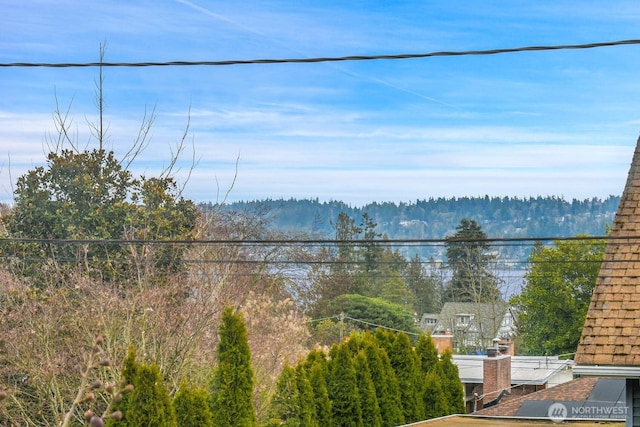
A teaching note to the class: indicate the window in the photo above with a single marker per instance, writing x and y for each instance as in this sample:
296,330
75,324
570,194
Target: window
463,319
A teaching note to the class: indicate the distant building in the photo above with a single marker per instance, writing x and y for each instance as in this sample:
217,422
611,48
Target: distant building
473,326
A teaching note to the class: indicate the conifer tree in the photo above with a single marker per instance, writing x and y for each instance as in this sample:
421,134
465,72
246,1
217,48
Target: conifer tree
427,353
343,390
192,407
231,387
386,384
306,403
405,365
435,402
129,376
451,384
150,404
371,416
284,409
318,381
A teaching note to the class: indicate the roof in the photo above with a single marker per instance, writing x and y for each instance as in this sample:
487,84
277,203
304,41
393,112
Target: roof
533,370
584,392
486,318
610,334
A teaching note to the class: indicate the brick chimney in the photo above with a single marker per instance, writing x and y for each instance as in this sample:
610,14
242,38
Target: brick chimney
442,342
496,376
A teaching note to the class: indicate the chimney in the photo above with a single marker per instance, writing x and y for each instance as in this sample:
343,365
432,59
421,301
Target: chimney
443,342
496,376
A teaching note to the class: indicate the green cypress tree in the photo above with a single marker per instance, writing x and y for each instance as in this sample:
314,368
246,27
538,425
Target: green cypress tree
149,403
435,401
427,353
343,390
129,376
386,384
318,381
371,416
192,407
231,387
306,403
451,384
405,365
284,409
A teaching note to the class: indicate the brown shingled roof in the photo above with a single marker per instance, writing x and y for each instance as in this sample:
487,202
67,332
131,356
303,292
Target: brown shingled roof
578,389
610,335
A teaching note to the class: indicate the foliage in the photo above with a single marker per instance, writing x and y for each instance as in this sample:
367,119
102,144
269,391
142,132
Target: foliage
88,196
308,416
451,384
405,365
425,284
231,387
427,353
371,415
435,402
375,311
362,386
343,390
318,381
385,382
277,333
468,256
435,218
191,405
554,301
285,406
149,404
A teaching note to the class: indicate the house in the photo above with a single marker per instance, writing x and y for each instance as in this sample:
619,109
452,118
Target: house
488,379
595,398
473,326
610,342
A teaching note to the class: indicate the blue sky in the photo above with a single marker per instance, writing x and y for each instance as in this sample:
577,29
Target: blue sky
560,123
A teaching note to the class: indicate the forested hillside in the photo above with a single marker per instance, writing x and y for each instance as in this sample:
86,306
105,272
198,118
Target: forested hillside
437,218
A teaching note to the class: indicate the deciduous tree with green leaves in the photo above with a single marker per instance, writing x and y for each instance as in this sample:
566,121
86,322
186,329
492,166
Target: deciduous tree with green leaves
554,301
90,196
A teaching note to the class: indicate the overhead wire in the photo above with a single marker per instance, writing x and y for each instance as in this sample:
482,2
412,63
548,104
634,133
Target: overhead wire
324,59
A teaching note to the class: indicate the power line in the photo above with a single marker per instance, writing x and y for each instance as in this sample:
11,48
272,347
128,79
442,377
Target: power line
323,59
316,242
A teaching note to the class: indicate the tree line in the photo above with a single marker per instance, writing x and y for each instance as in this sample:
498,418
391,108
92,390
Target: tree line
436,218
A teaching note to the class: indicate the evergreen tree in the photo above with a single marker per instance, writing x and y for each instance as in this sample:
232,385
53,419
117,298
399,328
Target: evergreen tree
405,365
427,353
468,255
451,384
318,381
231,387
129,376
385,382
343,390
371,416
306,402
192,407
150,404
435,400
285,404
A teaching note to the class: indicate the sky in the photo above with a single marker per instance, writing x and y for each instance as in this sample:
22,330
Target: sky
555,123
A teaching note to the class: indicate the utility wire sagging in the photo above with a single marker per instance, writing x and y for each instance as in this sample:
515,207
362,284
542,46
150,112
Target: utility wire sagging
325,59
